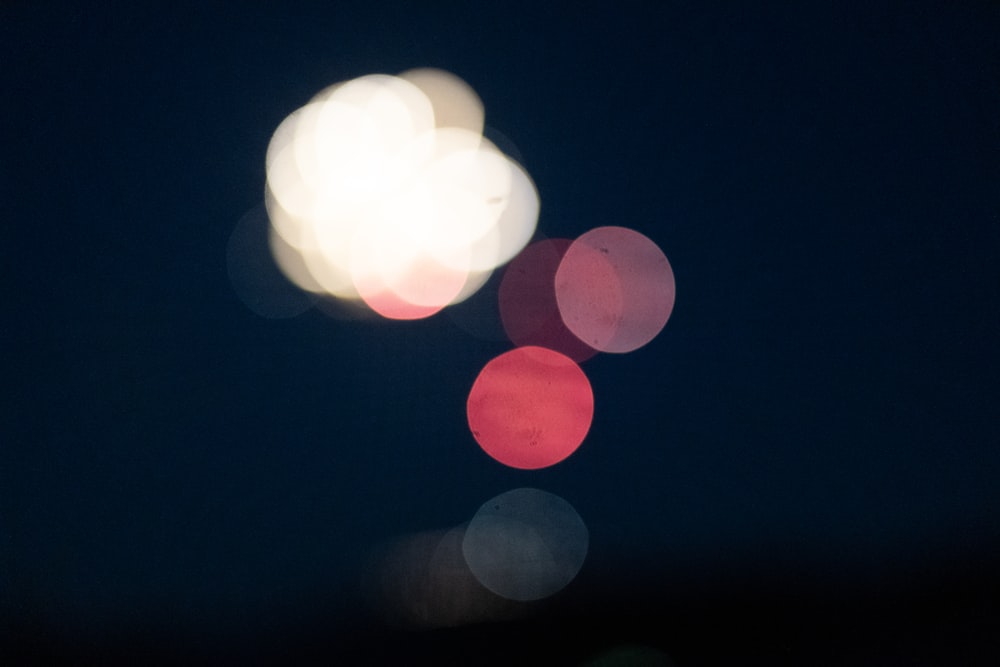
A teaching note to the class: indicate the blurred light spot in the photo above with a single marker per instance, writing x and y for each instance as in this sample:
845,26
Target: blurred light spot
630,655
388,193
525,544
527,301
423,581
255,278
293,263
474,281
530,407
454,101
398,281
615,289
515,226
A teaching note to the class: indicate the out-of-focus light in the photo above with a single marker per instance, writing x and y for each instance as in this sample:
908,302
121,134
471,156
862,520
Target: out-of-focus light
255,278
515,225
525,544
530,408
504,143
398,280
386,188
422,580
454,101
293,263
615,289
527,301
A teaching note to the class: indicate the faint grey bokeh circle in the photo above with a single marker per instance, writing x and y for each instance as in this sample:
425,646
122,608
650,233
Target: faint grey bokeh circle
525,544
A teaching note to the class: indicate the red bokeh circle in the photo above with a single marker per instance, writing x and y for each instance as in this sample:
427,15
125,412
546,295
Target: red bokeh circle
530,408
527,301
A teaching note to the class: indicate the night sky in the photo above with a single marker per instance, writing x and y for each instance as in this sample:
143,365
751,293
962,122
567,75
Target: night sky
801,469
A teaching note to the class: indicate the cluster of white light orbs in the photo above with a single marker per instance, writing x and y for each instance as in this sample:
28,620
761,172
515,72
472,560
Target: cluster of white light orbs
383,189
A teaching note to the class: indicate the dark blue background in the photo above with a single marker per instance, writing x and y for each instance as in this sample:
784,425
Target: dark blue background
803,467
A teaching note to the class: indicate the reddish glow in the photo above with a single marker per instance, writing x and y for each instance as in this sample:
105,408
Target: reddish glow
615,289
398,282
527,301
530,408
390,305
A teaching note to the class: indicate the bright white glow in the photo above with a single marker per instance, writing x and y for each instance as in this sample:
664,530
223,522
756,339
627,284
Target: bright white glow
455,102
386,189
514,228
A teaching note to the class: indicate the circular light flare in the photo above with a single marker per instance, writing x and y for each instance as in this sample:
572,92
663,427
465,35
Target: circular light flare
473,284
525,544
428,282
468,190
292,263
395,109
530,408
377,157
356,145
515,226
400,288
454,101
387,303
527,301
455,199
256,277
422,580
615,289
286,185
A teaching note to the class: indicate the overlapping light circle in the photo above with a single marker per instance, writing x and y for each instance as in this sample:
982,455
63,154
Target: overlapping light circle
423,580
615,289
386,191
525,544
254,275
383,193
520,546
527,301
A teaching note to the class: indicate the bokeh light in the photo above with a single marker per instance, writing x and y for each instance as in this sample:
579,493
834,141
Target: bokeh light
384,197
388,193
525,544
530,407
253,274
422,581
615,289
454,102
527,301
